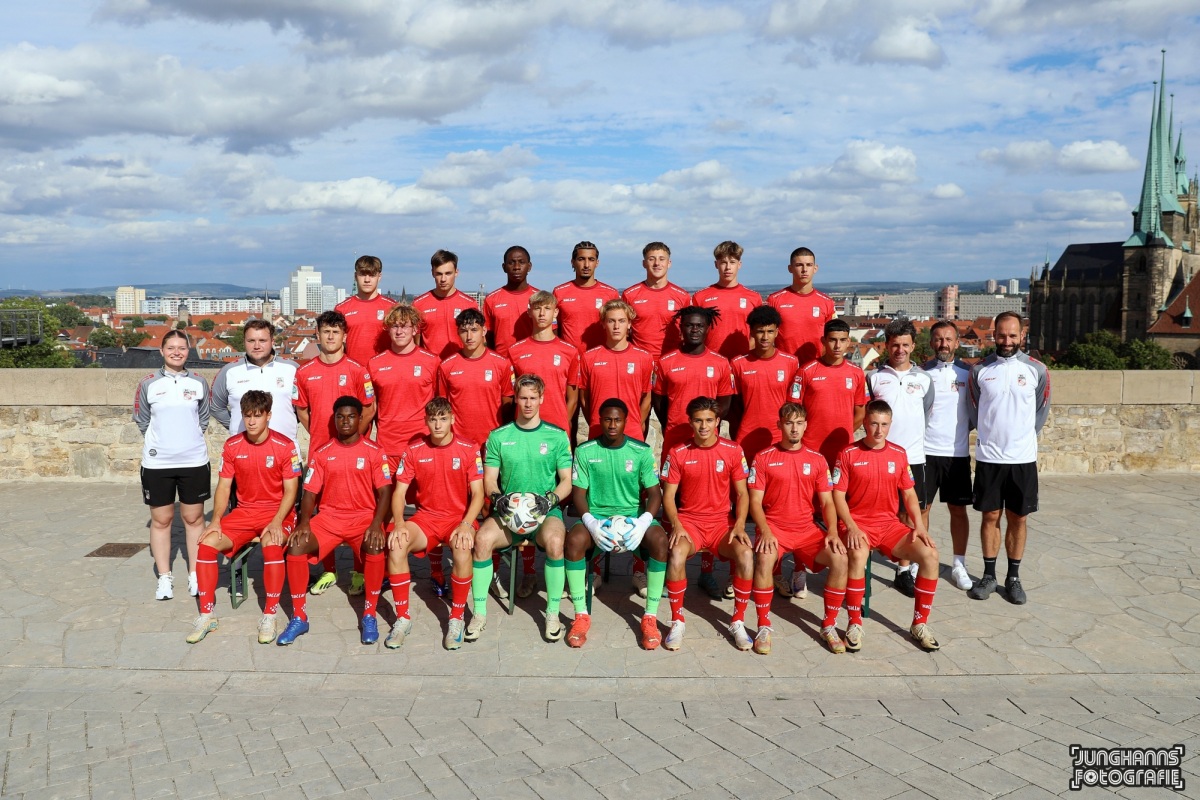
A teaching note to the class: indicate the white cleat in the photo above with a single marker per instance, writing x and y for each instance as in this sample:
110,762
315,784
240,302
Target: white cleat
674,638
166,587
962,579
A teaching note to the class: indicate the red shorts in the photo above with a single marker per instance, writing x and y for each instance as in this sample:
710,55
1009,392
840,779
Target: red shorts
882,535
707,532
437,530
332,529
243,525
802,539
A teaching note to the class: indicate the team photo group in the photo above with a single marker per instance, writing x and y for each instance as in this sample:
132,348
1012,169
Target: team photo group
584,421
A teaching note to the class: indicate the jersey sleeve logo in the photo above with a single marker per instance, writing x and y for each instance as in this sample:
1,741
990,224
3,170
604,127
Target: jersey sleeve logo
270,461
361,463
745,466
836,475
311,471
754,475
666,467
478,465
387,472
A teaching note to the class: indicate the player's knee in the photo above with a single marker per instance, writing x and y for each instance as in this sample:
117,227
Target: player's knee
210,539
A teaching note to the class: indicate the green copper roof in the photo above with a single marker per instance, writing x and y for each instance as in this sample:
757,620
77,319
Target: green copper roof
1181,178
1159,183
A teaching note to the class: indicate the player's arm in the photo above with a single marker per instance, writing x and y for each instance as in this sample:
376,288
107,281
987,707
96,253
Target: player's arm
220,505
220,399
491,480
855,538
563,490
973,397
671,514
463,536
644,408
652,496
572,401
203,408
767,543
913,507
741,508
927,401
273,534
829,516
303,530
579,500
723,404
374,537
302,417
1042,412
368,415
860,413
399,534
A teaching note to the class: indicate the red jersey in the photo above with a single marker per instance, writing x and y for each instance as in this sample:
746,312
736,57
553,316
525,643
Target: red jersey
705,477
790,481
507,316
763,384
475,388
365,335
260,469
443,475
623,374
729,334
830,395
439,334
804,318
579,313
319,384
555,362
655,329
872,481
682,378
403,385
346,476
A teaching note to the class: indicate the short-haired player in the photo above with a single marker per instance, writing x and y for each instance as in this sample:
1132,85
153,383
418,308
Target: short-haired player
804,309
615,475
699,478
729,335
834,393
349,478
504,310
364,312
448,475
525,456
869,478
266,466
655,301
788,483
477,381
441,305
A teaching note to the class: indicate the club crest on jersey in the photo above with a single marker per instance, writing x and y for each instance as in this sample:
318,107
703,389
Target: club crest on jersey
629,465
849,383
836,475
279,383
808,469
487,374
891,468
416,370
270,461
670,305
190,394
954,386
710,371
362,462
1020,382
599,303
341,380
912,388
753,474
630,367
456,463
379,314
720,465
779,375
543,448
741,302
666,467
557,360
457,311
308,478
816,311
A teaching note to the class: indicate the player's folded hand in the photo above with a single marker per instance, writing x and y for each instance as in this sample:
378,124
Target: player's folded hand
678,534
544,502
633,539
398,537
602,536
500,504
834,543
767,543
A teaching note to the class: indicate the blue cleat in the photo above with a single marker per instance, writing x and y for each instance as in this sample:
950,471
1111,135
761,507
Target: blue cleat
439,587
370,630
296,628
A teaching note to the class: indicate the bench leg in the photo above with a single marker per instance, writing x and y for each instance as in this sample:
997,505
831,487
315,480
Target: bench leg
239,576
866,608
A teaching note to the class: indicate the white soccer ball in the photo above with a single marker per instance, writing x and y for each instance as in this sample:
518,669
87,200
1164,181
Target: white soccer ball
522,517
619,527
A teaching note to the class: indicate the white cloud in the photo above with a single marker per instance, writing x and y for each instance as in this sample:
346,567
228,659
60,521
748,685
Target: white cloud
948,191
904,42
363,195
863,163
477,168
1028,156
1085,204
1089,156
1013,17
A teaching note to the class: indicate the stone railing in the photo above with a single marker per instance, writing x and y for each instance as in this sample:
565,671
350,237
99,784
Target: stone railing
77,423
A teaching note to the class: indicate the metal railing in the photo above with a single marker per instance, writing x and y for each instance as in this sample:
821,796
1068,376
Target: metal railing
20,327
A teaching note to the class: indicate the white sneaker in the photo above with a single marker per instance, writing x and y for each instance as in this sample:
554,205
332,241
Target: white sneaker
266,629
962,578
741,639
800,583
193,585
499,590
166,587
674,638
639,583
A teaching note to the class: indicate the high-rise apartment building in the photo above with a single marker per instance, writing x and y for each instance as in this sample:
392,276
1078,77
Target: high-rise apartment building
129,300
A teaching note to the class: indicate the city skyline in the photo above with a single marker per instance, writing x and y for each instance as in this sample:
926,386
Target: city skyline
947,141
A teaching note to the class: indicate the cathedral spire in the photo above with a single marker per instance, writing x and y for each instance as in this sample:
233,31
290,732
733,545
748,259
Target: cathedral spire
1159,183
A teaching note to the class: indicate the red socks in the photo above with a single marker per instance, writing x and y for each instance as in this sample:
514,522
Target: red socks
923,602
206,577
706,561
855,588
297,575
675,591
741,598
460,590
274,573
528,566
639,565
400,584
373,567
833,604
436,570
762,604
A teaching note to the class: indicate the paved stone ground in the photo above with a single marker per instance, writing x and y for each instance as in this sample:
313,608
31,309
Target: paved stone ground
101,697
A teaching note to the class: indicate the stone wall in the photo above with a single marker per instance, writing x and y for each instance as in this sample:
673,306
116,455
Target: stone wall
76,424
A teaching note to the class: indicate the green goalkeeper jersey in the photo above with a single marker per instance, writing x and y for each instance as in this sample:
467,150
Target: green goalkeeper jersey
614,477
528,459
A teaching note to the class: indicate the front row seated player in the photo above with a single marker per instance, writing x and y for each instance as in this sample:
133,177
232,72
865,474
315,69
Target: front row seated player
700,477
868,478
266,466
448,475
525,456
615,475
785,479
349,481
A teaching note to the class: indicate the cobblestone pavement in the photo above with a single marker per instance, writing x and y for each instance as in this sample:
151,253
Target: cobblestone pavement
101,697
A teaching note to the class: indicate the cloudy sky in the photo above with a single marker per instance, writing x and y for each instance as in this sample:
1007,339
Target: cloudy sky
151,141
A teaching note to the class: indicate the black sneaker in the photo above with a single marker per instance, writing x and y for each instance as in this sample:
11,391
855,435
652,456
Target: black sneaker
1012,588
983,589
905,583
